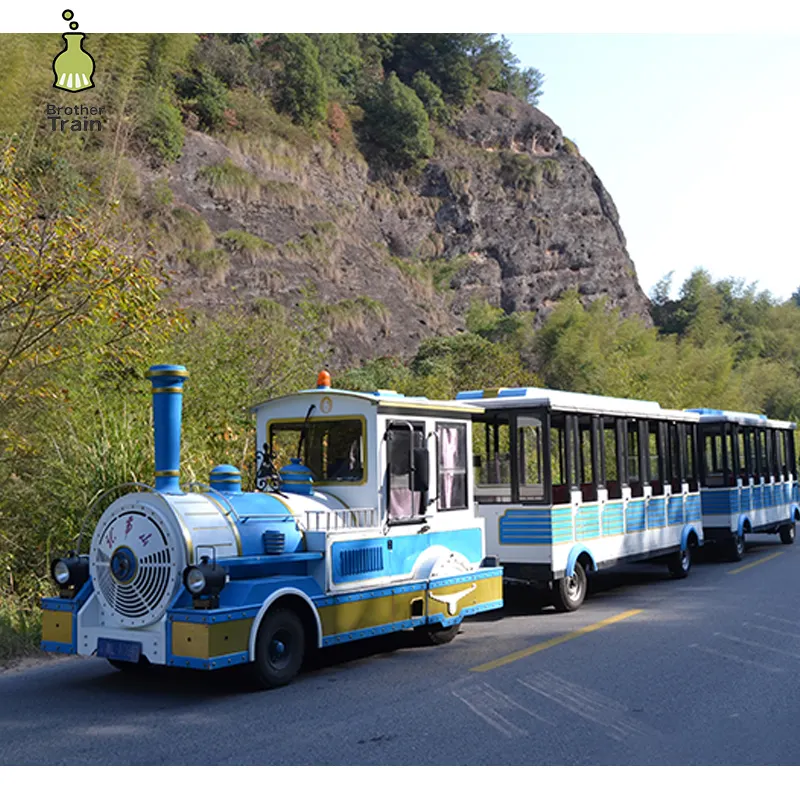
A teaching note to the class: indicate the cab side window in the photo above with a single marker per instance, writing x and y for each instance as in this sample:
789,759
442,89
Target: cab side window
451,440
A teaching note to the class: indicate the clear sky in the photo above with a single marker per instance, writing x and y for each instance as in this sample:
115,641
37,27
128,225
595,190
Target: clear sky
695,137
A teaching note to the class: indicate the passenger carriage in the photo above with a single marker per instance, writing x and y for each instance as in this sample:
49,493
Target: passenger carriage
363,526
748,478
570,483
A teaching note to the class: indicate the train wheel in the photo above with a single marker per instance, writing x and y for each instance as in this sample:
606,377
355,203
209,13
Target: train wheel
569,593
438,634
680,563
736,547
129,666
280,648
788,533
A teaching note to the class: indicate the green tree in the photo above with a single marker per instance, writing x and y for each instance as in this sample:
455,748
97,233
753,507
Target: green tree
431,96
58,274
302,91
396,121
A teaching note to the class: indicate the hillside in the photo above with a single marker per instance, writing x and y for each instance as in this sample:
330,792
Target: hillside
391,179
506,211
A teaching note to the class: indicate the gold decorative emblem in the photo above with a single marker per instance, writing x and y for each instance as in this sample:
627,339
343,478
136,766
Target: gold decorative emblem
326,405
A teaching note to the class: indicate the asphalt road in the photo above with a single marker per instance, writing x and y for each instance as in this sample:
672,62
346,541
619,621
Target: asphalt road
698,671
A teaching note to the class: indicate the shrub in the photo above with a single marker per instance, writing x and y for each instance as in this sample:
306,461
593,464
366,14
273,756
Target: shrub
571,148
231,181
206,96
192,229
164,131
396,121
212,264
255,249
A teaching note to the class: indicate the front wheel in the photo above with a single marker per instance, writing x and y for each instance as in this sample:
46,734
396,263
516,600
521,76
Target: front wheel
280,648
788,533
570,592
680,563
129,666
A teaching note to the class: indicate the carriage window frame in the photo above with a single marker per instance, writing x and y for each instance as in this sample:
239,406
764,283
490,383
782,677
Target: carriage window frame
540,419
494,493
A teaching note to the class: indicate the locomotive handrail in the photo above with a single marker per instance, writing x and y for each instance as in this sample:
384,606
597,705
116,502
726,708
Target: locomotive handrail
99,497
357,517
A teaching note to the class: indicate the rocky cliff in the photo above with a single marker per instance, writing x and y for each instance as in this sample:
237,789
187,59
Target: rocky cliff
506,211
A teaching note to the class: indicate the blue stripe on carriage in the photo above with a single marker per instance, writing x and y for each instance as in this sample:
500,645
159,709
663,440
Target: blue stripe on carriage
675,510
635,521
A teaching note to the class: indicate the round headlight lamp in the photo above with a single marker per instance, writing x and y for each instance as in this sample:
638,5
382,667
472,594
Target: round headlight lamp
69,571
61,572
194,580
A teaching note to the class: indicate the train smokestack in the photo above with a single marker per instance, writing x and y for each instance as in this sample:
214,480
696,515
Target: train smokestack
167,381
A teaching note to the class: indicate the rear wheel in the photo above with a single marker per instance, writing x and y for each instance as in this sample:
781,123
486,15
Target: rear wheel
680,563
570,592
280,648
736,547
438,634
788,533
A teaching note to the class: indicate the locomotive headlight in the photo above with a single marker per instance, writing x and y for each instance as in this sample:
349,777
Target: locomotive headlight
61,572
194,580
71,571
205,578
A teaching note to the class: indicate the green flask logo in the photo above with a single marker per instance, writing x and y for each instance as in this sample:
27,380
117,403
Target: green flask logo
73,66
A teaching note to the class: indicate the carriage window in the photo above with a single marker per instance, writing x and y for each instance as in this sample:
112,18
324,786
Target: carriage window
452,446
634,461
588,459
406,496
653,456
530,454
744,456
560,459
763,461
712,456
785,451
689,445
492,460
613,458
332,449
677,467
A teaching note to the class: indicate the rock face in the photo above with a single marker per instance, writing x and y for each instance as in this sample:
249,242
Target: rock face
507,211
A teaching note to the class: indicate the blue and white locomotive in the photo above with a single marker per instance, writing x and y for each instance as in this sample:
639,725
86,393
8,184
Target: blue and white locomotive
364,526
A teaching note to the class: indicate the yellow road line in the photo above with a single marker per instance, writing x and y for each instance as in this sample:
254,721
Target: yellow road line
537,648
754,564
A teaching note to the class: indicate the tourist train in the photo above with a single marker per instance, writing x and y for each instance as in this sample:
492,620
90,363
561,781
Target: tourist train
377,513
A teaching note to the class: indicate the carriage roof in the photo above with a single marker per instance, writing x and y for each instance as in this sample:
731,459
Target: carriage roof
708,415
556,400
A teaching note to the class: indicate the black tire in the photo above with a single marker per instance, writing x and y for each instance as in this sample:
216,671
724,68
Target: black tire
736,547
569,593
788,533
438,634
129,666
680,563
280,648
